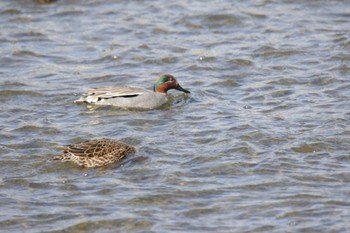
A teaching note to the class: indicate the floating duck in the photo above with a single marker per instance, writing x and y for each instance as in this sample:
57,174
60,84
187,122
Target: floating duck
133,97
96,152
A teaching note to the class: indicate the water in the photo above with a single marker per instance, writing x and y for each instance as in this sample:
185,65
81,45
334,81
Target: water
260,145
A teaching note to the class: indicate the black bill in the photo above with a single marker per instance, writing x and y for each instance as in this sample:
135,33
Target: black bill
179,88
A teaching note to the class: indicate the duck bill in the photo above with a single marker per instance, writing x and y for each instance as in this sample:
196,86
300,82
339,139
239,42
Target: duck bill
179,88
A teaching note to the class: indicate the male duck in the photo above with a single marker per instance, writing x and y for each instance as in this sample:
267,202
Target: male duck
133,97
95,153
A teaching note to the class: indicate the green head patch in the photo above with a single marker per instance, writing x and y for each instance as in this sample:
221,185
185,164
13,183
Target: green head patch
162,79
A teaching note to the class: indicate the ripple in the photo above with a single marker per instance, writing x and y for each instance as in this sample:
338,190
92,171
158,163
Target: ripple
271,52
69,13
219,20
44,2
12,84
26,53
10,12
282,93
287,82
126,224
160,61
311,147
35,129
30,36
241,62
103,59
160,200
10,93
320,81
211,21
226,84
198,212
29,144
256,14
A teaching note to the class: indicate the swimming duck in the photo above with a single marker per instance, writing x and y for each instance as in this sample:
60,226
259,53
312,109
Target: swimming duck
95,153
133,97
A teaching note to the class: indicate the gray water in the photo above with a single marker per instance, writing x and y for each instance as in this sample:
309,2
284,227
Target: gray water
261,144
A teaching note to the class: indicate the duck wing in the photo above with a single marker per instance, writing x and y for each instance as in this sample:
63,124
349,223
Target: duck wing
95,147
90,148
97,94
112,92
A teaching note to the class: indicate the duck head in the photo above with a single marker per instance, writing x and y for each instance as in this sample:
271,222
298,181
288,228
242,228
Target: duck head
166,82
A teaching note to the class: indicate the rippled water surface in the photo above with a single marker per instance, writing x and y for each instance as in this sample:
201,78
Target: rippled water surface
260,145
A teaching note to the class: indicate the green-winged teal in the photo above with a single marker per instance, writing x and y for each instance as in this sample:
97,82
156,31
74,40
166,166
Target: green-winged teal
133,97
96,152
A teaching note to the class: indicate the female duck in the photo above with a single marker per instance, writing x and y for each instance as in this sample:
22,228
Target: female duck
133,97
95,153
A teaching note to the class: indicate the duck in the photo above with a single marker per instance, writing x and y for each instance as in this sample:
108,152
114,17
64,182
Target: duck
127,97
95,153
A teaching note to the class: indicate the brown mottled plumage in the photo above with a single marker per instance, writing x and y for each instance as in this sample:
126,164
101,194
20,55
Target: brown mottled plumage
96,152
